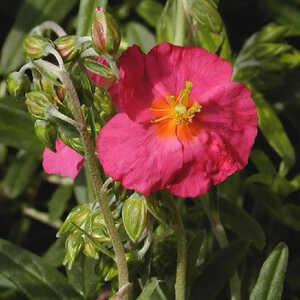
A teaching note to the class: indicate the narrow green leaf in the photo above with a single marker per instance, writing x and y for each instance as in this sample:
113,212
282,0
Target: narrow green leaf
59,200
32,275
240,222
136,33
274,132
83,277
218,271
20,174
150,11
31,13
262,162
85,16
152,291
269,284
16,127
95,67
3,153
55,254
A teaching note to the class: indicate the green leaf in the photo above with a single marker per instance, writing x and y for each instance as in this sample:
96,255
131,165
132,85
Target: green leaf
274,132
83,277
85,17
165,29
152,291
218,270
136,33
32,275
59,200
20,174
262,162
269,284
31,13
150,11
55,254
95,67
16,127
240,222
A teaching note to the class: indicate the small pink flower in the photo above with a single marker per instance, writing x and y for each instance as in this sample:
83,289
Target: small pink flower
65,161
184,125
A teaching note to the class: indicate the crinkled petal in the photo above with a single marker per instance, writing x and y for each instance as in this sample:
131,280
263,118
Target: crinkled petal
228,130
65,161
207,162
136,156
163,72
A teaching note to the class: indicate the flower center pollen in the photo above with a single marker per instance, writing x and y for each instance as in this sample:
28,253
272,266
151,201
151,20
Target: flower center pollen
180,109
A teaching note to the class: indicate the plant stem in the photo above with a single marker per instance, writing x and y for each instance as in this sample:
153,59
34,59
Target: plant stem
180,23
213,215
181,254
100,195
48,25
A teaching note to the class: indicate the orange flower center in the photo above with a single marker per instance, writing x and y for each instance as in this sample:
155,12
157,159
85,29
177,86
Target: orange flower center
176,115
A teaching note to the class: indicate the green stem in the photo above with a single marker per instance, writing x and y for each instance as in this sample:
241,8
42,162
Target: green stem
100,195
181,254
180,23
212,212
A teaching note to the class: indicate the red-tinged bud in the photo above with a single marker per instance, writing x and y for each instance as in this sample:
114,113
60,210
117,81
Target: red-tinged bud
37,103
34,46
67,46
105,33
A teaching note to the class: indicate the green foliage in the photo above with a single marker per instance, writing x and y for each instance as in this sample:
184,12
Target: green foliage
269,284
258,206
32,276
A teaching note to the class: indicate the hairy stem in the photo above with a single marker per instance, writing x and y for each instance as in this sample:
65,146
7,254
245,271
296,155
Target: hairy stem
181,254
100,195
212,213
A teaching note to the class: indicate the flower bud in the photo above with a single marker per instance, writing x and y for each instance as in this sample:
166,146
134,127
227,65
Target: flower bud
34,46
67,46
18,84
103,103
90,250
134,215
46,132
77,216
37,102
73,245
107,268
106,35
70,137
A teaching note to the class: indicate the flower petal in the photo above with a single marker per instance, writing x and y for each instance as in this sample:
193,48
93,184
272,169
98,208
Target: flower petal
136,156
65,161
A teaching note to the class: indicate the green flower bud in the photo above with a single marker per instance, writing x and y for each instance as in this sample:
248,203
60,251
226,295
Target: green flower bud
134,215
158,211
73,246
90,250
37,103
77,216
46,132
103,103
107,268
98,229
18,84
34,46
106,35
67,46
70,137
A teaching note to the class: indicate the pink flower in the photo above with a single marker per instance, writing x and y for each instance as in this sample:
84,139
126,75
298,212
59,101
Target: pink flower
65,161
184,125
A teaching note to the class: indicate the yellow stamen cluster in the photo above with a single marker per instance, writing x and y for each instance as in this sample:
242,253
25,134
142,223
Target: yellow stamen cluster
179,110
